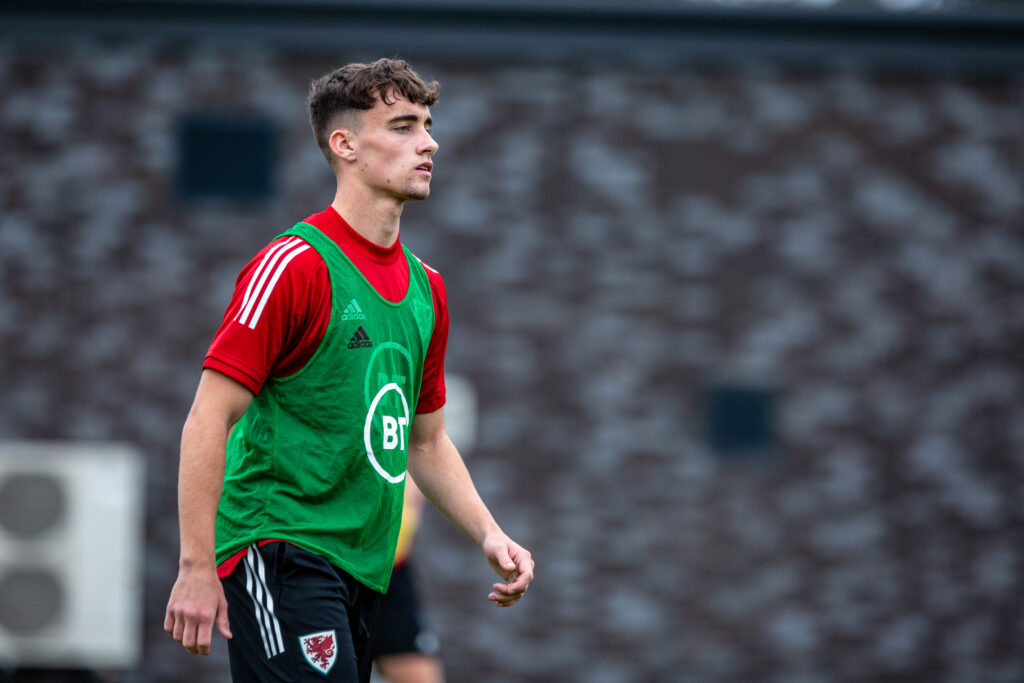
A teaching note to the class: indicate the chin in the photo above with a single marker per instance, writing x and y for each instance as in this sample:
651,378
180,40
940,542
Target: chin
417,194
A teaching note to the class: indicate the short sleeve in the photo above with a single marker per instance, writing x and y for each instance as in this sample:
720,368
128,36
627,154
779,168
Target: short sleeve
432,390
277,315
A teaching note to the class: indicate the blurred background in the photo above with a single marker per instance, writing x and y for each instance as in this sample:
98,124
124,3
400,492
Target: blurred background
738,288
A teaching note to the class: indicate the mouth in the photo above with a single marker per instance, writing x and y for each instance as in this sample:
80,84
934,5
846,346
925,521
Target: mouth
426,167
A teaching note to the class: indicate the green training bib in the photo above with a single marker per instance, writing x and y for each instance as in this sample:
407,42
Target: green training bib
319,458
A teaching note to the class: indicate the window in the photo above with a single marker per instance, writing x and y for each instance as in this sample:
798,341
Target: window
226,158
739,420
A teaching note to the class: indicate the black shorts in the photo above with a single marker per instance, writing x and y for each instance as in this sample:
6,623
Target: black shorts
296,617
400,627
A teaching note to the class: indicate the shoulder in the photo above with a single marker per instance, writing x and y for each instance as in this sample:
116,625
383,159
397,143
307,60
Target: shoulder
284,273
434,277
287,254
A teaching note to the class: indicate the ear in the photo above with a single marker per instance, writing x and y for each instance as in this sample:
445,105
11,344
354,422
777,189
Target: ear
342,144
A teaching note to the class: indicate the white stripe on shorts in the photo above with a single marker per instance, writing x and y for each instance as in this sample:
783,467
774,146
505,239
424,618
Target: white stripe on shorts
263,603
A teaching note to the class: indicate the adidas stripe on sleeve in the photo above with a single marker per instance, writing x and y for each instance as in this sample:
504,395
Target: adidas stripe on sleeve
266,277
279,309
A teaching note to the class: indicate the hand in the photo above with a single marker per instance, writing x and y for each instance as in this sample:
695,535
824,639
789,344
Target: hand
513,563
197,602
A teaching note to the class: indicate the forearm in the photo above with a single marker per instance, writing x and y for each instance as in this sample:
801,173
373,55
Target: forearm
200,481
439,471
437,468
219,403
197,599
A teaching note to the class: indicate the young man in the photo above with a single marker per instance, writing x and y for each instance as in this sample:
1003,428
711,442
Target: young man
295,451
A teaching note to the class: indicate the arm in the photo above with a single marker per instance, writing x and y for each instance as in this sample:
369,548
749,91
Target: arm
197,600
440,473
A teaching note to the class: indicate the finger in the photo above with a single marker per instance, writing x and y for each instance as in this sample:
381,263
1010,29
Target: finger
523,561
508,590
204,635
188,638
502,600
520,583
169,622
179,627
504,560
223,623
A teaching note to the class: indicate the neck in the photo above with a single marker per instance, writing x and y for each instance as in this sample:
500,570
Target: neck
377,219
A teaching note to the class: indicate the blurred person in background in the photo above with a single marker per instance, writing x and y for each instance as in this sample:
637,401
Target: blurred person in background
405,651
295,451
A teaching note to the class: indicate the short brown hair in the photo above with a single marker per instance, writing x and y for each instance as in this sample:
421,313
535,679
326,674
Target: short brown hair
355,87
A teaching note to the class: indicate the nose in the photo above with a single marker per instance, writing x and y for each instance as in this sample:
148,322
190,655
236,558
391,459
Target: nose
429,145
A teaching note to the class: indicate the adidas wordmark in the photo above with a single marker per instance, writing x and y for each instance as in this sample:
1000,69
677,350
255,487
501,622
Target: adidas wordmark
360,340
353,311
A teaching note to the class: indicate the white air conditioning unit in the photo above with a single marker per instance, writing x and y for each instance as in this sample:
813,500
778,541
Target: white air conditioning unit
460,413
71,547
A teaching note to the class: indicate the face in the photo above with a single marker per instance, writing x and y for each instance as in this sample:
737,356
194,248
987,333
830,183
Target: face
393,149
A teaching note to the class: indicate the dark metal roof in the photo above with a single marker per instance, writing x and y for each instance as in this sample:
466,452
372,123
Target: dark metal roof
988,38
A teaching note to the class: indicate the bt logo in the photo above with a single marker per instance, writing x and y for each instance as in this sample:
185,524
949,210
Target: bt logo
391,436
394,432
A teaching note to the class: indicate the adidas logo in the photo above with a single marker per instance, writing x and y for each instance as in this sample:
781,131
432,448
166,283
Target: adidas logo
360,340
353,312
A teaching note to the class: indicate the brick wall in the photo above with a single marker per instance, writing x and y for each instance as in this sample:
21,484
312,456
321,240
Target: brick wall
614,240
